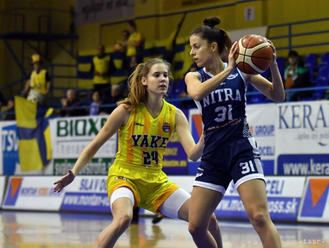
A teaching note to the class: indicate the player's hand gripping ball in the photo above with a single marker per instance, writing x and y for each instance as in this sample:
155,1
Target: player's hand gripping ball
254,54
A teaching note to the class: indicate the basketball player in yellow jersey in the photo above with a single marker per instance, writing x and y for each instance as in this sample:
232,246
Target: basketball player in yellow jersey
145,122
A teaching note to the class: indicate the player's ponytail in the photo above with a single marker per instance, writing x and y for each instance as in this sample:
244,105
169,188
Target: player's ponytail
211,21
210,33
137,91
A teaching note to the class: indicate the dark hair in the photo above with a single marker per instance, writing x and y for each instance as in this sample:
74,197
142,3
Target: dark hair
293,53
211,34
132,23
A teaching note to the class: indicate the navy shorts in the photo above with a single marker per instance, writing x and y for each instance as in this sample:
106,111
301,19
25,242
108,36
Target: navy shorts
238,160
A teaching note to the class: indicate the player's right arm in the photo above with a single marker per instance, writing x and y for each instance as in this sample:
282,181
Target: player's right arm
117,118
198,90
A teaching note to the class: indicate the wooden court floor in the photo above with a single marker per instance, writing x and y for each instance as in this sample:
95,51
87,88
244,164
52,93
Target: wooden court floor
52,230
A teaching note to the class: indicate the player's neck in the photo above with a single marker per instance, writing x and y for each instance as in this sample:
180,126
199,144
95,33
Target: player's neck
154,105
215,67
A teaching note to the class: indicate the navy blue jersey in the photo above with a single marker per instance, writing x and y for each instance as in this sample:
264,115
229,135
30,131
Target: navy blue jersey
224,109
229,152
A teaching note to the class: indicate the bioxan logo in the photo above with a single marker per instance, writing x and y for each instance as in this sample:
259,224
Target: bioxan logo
79,127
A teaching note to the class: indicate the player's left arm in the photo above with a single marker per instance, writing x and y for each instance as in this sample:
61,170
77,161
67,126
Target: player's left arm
193,151
273,90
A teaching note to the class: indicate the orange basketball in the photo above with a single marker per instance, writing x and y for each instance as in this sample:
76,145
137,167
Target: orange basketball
254,54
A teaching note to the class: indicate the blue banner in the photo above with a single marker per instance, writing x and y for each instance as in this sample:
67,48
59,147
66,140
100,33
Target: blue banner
86,201
10,157
303,164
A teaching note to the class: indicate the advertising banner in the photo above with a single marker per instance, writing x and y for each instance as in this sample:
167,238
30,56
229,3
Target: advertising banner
302,138
2,187
315,204
85,193
9,148
70,136
32,193
88,193
261,119
175,158
93,11
283,194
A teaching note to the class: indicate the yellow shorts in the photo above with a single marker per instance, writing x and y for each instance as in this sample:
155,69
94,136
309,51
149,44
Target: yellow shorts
147,195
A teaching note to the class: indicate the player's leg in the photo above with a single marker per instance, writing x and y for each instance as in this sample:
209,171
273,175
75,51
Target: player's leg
248,176
122,203
202,222
254,199
177,205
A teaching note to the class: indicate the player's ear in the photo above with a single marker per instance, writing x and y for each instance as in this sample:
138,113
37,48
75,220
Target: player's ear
144,81
214,46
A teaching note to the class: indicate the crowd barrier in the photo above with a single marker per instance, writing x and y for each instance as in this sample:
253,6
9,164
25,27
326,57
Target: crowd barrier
290,199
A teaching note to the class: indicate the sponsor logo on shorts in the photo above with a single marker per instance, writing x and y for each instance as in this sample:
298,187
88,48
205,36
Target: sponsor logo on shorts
121,178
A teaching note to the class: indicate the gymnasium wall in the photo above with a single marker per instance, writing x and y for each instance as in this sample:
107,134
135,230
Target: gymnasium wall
32,10
235,15
283,11
2,47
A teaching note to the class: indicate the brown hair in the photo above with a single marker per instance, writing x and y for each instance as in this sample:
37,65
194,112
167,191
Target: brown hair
211,34
137,91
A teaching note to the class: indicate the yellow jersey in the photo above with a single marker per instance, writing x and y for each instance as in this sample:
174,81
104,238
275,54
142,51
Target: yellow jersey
102,65
142,144
134,37
38,81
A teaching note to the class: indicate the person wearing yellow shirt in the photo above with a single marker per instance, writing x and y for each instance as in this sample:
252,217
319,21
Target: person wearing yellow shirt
135,45
101,69
37,86
145,122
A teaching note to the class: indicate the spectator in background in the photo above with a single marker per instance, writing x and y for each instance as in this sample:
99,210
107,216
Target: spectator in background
121,69
95,106
71,104
296,76
38,86
171,42
121,47
124,42
8,110
101,69
135,45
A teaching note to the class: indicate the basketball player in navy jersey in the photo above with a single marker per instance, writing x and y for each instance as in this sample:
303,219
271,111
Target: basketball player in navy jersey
230,152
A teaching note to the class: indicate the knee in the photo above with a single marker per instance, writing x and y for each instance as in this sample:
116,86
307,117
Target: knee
259,219
213,222
124,221
196,229
193,229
